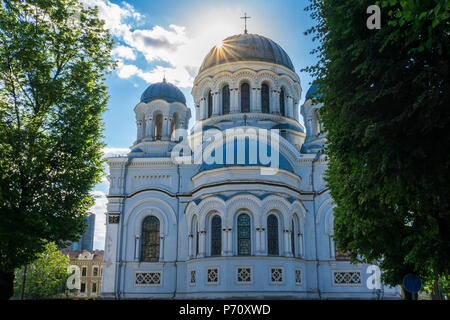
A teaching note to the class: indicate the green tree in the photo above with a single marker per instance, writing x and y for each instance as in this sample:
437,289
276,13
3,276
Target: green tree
53,57
386,115
45,277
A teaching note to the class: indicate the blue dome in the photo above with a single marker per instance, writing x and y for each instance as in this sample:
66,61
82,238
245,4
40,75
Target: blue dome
312,92
163,90
247,47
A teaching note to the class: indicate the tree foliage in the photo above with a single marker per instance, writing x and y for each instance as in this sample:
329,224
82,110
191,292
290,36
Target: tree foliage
386,115
54,54
45,277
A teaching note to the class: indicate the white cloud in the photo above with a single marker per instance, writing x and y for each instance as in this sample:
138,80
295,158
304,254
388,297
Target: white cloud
112,14
124,52
170,45
180,47
158,43
126,71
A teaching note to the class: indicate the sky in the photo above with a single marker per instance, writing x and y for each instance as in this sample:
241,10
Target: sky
153,38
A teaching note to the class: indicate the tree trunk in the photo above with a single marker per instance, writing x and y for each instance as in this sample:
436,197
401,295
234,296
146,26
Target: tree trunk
6,285
24,280
436,293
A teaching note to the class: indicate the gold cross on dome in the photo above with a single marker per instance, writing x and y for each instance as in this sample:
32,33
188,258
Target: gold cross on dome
245,17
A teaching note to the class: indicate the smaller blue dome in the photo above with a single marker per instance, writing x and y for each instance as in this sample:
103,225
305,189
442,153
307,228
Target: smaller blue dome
136,150
312,92
163,90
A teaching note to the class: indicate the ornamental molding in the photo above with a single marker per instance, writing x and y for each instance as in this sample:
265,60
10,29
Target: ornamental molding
235,66
267,76
324,206
243,202
258,209
158,104
148,206
207,206
255,72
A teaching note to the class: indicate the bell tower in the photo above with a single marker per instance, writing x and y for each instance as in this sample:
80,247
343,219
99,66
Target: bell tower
161,111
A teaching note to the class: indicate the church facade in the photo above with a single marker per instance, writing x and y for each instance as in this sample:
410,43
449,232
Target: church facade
237,207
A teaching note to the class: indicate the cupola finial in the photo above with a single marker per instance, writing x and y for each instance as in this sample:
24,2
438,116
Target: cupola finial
245,17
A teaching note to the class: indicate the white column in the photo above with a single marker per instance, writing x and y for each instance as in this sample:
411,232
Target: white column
296,110
224,242
230,242
258,100
299,238
137,243
290,107
201,245
140,129
202,108
108,284
275,95
234,99
216,103
190,245
161,249
263,240
287,243
258,241
197,112
254,100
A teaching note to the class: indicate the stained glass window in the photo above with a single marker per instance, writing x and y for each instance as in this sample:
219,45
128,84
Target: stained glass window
226,100
282,106
272,234
216,236
265,105
150,239
210,104
244,234
245,97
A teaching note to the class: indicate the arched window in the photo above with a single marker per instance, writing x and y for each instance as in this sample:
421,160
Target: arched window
216,236
226,100
244,234
174,125
272,235
282,103
158,126
195,235
245,97
318,128
265,104
293,238
150,239
210,104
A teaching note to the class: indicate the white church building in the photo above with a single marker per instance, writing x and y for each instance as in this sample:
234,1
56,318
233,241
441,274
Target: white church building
236,208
